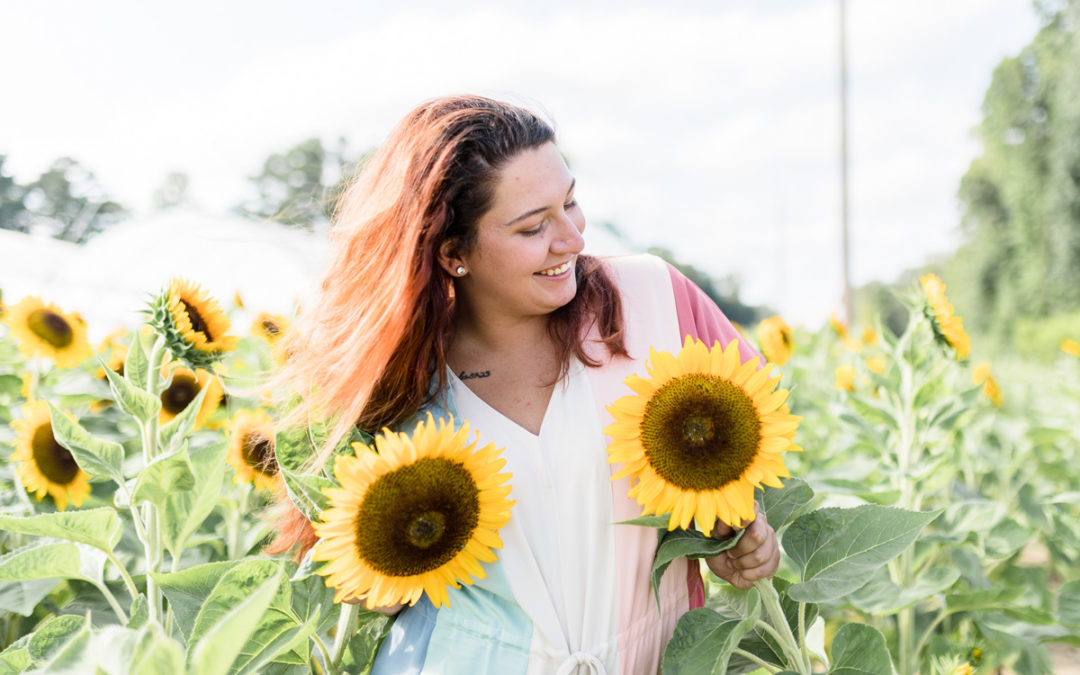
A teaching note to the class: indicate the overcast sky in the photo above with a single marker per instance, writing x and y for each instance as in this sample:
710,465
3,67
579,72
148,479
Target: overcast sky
710,127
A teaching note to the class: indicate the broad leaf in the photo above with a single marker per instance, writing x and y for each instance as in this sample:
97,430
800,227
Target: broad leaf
100,528
21,597
982,600
1068,604
132,399
648,521
95,456
157,653
136,366
187,590
164,476
171,437
231,615
15,658
371,629
762,644
689,543
294,447
859,649
873,412
41,560
54,636
782,504
184,512
1006,537
881,596
703,640
835,550
306,492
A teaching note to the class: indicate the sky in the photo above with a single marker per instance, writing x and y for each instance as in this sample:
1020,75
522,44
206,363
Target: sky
710,127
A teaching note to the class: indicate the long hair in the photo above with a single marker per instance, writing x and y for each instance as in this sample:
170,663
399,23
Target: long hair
374,340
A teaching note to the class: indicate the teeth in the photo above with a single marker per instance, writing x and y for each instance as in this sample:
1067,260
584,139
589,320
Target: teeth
556,271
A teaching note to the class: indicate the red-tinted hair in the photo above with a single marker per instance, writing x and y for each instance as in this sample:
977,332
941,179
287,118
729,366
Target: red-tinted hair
375,338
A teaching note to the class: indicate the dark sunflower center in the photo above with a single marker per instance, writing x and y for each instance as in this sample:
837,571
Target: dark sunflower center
417,518
52,459
179,394
198,324
270,327
700,432
258,451
51,327
785,337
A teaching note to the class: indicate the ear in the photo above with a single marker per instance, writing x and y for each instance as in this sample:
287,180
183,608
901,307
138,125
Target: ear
449,257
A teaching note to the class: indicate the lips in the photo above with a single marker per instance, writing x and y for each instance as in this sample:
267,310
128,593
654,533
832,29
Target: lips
556,271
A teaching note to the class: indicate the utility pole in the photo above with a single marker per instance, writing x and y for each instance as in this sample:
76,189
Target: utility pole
849,301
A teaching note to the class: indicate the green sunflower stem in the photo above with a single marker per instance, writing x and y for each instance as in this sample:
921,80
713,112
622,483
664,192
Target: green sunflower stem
764,665
902,568
770,602
346,626
152,524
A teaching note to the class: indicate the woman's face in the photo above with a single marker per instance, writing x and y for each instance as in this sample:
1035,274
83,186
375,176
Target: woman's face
523,260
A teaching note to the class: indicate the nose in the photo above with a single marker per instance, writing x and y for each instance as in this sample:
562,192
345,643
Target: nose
568,239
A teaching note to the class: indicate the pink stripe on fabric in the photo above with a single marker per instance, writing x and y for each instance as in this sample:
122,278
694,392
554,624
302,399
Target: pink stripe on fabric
700,318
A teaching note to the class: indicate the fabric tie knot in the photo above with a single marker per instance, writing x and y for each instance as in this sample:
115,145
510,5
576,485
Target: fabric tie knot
570,664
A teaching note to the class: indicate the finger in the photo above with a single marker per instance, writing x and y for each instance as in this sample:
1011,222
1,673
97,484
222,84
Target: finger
721,530
752,539
765,557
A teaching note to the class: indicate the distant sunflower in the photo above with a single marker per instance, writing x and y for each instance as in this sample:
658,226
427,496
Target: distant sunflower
251,450
948,327
700,434
774,335
117,358
838,325
869,336
183,389
45,466
193,324
1071,347
44,330
981,375
845,377
415,517
876,364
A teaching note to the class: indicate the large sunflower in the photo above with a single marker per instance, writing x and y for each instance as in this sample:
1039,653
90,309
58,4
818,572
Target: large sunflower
774,336
45,466
416,517
44,330
251,449
183,389
948,327
700,434
193,324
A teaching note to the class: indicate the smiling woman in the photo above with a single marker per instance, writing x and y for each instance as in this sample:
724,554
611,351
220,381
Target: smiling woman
459,292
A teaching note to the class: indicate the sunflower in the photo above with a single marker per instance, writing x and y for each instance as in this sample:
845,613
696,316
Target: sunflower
183,389
700,434
45,466
869,336
193,325
774,335
876,364
117,358
418,516
1071,347
981,375
251,450
838,325
845,377
948,327
44,330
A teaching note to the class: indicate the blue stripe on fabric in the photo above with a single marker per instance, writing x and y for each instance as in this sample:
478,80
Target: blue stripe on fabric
405,648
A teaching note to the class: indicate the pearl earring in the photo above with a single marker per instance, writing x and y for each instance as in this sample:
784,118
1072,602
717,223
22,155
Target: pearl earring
460,270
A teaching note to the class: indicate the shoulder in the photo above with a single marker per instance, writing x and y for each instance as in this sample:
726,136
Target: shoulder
620,267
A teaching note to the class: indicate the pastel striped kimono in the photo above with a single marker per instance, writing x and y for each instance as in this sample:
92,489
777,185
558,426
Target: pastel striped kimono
570,593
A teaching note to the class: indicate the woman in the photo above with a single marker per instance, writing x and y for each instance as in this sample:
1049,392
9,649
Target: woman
458,287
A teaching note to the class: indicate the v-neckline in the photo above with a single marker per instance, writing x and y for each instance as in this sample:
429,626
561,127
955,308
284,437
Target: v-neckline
561,384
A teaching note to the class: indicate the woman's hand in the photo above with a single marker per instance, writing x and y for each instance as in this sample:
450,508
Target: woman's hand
756,556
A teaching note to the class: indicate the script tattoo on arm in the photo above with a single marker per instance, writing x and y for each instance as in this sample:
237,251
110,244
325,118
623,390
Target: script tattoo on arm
474,375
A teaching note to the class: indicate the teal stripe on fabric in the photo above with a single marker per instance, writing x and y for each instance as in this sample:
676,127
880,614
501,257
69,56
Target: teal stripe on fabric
483,630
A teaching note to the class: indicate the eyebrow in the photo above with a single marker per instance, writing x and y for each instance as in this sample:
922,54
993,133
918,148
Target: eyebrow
573,182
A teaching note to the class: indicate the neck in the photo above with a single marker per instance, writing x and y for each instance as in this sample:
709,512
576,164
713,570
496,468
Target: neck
499,333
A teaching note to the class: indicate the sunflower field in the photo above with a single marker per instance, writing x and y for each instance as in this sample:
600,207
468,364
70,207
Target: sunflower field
929,523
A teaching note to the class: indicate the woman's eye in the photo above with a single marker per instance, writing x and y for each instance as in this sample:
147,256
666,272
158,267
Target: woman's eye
536,230
570,204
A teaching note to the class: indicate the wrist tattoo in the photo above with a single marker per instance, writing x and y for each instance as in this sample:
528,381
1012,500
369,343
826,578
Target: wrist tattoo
474,375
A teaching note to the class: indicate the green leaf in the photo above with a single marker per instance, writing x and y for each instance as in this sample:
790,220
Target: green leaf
132,399
881,596
187,590
982,600
835,550
306,492
113,647
1068,604
703,640
859,649
294,447
231,615
1006,537
760,643
185,511
874,413
96,457
781,504
164,476
283,628
171,437
136,365
54,635
21,597
689,543
660,521
16,658
41,560
100,528
157,653
371,629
